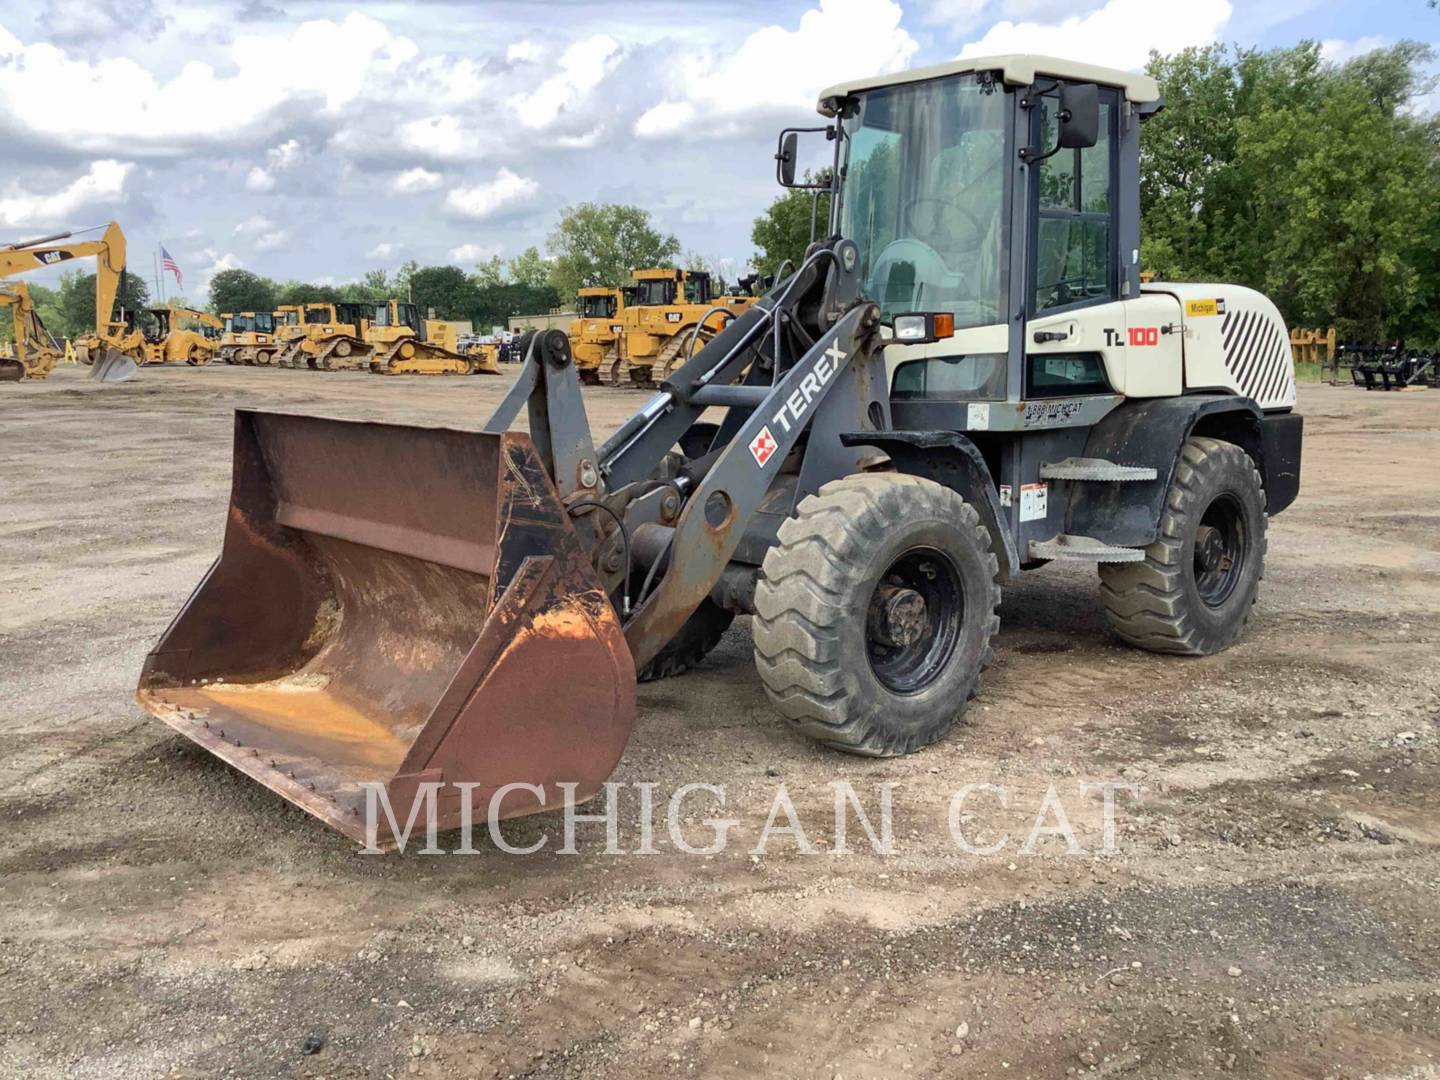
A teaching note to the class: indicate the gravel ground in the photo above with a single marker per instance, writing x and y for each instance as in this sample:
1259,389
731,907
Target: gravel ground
1270,908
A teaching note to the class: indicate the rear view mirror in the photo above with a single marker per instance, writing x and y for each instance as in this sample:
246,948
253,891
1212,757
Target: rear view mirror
787,155
1079,115
785,169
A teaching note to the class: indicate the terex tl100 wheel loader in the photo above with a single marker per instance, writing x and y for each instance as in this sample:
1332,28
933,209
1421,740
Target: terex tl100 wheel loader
966,380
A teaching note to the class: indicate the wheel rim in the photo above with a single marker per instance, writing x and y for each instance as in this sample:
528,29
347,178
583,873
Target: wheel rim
1221,543
914,619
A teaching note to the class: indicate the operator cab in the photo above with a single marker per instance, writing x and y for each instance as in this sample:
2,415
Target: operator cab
1000,192
597,305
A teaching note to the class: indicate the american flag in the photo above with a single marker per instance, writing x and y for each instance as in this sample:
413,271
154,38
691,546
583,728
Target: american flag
167,262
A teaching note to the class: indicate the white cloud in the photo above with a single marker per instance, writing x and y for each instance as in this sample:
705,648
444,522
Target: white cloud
383,251
446,137
270,241
103,182
474,253
328,64
526,51
1120,34
259,180
778,69
256,223
415,180
582,66
486,200
1337,51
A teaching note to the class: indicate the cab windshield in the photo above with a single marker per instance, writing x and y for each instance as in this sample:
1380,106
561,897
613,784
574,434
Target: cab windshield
597,307
922,194
654,291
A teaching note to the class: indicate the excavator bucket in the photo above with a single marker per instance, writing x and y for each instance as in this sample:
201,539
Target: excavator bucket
395,607
112,366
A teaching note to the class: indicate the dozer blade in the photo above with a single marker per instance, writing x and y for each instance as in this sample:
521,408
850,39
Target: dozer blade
112,366
397,606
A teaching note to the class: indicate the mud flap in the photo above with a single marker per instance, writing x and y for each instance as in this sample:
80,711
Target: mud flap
397,606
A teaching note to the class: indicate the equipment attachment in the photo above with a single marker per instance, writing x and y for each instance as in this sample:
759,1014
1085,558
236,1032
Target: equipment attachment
395,606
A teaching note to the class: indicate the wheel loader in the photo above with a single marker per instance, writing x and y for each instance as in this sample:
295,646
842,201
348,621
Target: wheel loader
248,338
106,350
36,352
964,381
670,314
595,333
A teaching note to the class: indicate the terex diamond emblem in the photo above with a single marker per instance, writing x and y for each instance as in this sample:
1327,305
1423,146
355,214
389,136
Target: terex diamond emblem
763,446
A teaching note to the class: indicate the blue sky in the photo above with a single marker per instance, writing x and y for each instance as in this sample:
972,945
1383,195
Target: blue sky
317,139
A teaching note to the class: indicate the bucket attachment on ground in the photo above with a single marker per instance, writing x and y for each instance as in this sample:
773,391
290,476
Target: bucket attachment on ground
112,366
397,606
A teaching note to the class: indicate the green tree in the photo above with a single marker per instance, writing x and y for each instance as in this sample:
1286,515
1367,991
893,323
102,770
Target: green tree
241,290
446,290
600,243
528,268
75,307
489,273
303,292
783,232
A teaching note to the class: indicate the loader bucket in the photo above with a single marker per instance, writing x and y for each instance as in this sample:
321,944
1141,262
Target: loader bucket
112,366
397,606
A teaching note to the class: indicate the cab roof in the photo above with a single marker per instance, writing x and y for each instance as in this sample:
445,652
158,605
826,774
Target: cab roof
1017,69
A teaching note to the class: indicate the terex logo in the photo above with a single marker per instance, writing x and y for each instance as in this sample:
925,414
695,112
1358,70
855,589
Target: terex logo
798,403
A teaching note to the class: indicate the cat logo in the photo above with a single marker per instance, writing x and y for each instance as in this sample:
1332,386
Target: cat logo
672,316
50,258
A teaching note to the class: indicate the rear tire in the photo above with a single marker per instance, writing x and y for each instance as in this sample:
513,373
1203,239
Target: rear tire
701,633
875,613
1194,590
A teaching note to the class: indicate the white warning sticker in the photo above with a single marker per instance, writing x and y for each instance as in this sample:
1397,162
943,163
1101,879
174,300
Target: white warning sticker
977,416
1033,501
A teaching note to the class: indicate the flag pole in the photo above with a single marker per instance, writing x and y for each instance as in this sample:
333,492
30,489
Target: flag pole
159,287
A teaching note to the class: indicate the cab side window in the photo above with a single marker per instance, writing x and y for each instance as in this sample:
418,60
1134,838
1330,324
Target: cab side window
1075,232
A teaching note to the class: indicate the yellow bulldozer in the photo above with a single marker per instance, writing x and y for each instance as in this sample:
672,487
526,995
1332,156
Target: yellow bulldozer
248,338
670,314
388,337
180,334
35,351
595,333
107,350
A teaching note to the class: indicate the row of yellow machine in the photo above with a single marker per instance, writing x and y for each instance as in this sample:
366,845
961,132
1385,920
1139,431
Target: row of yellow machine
629,336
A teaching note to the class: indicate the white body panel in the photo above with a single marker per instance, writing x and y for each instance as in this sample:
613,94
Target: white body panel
1234,339
1171,339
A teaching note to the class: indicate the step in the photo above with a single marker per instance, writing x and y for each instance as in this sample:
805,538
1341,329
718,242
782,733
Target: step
1089,468
1082,549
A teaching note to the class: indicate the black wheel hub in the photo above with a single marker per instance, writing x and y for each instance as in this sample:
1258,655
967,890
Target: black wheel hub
914,620
1221,543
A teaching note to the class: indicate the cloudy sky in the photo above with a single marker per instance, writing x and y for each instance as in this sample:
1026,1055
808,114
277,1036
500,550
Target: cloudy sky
316,140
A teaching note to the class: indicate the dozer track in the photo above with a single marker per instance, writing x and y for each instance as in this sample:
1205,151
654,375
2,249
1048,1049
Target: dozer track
410,356
343,353
290,355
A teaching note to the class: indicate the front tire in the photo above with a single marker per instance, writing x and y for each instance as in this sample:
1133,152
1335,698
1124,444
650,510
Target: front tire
1193,592
875,613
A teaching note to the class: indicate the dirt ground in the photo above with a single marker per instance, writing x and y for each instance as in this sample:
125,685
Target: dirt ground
1272,907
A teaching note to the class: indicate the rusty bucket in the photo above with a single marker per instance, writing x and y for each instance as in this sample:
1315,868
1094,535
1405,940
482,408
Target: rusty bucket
397,606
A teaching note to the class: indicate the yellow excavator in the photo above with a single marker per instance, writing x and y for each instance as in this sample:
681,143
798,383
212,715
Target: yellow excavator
672,313
106,349
180,334
595,333
36,351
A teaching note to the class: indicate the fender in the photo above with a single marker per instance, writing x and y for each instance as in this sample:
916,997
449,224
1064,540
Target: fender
1152,432
951,459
